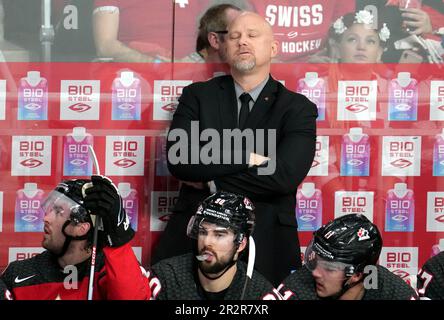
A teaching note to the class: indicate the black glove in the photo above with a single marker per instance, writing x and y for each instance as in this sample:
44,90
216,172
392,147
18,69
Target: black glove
103,199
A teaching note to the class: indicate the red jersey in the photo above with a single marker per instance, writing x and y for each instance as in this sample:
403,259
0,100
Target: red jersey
118,276
301,26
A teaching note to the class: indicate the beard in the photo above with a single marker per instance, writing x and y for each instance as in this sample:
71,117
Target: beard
244,65
54,246
219,265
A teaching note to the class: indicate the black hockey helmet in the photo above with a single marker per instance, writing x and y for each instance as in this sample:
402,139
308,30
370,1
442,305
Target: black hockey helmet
68,196
69,192
351,240
227,210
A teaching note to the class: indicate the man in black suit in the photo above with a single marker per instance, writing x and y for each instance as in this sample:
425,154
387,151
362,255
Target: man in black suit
270,174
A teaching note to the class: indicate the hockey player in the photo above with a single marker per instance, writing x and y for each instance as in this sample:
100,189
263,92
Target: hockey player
62,271
222,225
431,278
340,264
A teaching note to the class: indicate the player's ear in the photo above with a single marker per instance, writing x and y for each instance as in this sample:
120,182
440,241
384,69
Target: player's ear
82,229
356,277
274,48
214,41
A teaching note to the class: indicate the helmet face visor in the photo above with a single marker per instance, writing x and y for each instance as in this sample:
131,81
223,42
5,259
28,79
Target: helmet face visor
60,204
200,227
313,260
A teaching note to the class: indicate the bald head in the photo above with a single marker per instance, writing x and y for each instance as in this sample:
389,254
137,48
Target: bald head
252,18
250,44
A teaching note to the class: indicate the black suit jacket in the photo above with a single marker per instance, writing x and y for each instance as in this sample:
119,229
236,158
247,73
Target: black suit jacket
214,105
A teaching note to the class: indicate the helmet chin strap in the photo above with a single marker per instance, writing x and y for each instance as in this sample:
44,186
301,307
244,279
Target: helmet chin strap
345,287
69,239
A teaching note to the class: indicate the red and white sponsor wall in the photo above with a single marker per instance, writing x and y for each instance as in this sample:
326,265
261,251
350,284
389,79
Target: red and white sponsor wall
380,147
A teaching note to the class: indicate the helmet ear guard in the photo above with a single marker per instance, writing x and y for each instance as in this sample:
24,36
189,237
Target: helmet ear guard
239,238
79,214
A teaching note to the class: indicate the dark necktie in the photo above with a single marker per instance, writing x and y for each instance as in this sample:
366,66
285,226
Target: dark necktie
244,110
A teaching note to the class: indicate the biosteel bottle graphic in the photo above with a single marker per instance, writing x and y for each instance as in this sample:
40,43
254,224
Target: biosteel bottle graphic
355,153
126,97
130,202
438,155
309,207
28,213
314,89
403,98
33,97
400,209
77,160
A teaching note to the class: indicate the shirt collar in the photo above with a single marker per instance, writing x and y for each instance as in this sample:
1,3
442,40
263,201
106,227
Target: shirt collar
255,92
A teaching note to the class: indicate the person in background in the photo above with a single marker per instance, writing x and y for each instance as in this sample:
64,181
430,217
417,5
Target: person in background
358,38
133,30
210,42
149,31
416,26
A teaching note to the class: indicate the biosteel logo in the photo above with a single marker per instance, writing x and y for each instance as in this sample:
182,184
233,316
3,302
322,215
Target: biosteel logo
82,93
435,211
401,163
164,205
318,148
32,106
31,155
356,95
440,96
125,149
80,100
439,208
357,202
401,149
319,166
162,202
31,163
80,107
166,95
437,100
397,260
31,149
401,156
401,95
126,107
125,163
170,94
402,261
357,100
125,155
23,253
356,108
78,162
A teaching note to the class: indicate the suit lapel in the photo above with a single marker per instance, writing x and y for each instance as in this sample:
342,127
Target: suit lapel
262,104
227,103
